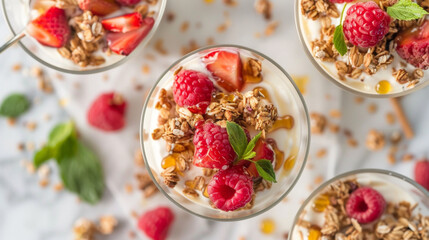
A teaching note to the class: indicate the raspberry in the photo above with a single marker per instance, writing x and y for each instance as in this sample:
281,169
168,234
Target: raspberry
128,2
212,147
421,173
155,223
193,90
230,189
413,46
341,1
365,205
365,24
107,112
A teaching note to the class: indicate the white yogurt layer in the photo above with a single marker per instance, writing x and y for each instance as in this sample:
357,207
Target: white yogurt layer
391,193
287,140
365,83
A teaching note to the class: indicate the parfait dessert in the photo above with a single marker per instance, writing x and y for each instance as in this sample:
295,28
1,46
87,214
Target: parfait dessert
366,205
372,47
90,33
226,131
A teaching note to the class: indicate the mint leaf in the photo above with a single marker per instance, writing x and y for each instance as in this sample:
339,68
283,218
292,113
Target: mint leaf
14,105
249,155
265,170
42,156
339,42
406,10
82,173
60,133
252,144
237,138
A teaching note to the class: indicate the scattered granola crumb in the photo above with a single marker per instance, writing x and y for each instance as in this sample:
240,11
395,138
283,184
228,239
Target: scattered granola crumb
318,180
321,153
359,100
210,41
231,3
372,108
391,156
63,102
395,137
407,157
335,113
390,118
334,128
43,171
258,35
134,214
30,146
146,69
31,126
83,229
146,185
128,188
138,158
20,147
44,182
16,67
159,47
11,121
47,117
58,187
271,27
318,123
352,142
375,140
107,224
184,27
29,166
264,7
132,234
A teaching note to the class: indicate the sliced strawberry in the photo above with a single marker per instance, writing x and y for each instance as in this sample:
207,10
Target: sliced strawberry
125,43
413,45
51,28
124,23
263,151
99,7
226,69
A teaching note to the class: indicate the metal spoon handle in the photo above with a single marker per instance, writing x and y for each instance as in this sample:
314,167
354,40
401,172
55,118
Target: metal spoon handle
12,41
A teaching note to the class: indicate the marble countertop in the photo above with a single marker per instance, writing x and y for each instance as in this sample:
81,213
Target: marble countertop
30,212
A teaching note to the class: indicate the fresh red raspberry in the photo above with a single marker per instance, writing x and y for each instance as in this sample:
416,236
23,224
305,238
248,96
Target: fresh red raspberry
341,1
421,173
128,2
193,90
155,223
365,205
413,46
365,24
212,147
230,189
107,112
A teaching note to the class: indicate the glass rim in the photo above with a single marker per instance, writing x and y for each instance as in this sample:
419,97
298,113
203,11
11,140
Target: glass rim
307,126
337,82
348,174
96,70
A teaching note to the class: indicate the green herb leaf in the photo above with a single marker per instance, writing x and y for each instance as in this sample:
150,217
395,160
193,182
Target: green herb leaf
237,138
252,144
265,170
248,156
406,10
42,156
339,42
61,133
82,173
14,105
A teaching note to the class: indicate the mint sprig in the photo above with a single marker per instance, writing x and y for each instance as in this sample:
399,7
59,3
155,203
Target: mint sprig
339,42
80,169
244,150
14,105
406,10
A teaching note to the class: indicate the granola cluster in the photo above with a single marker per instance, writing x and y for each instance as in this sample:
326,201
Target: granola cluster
359,61
397,222
85,229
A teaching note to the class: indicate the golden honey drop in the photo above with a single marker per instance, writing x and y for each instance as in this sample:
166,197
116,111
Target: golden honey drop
383,87
286,122
205,193
268,226
289,163
314,234
169,161
320,203
301,82
264,92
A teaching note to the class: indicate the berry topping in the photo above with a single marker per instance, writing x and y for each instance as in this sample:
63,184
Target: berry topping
128,2
212,147
365,24
341,1
125,43
413,46
421,173
99,7
263,151
365,205
226,69
51,28
107,112
156,223
230,189
193,90
124,23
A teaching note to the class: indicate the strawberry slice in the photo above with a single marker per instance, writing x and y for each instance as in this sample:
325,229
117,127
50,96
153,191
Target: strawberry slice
124,23
263,151
413,45
226,69
51,28
125,43
99,7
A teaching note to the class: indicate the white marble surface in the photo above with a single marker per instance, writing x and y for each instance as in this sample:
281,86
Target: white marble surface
30,212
